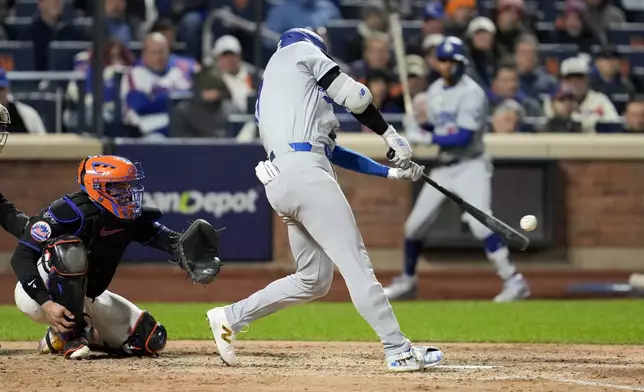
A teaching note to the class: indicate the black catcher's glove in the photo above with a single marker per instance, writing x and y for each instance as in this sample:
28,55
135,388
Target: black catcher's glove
197,252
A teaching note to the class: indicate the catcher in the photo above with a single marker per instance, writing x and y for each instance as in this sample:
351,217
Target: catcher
69,252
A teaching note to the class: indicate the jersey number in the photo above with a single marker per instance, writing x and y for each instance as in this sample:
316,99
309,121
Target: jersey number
259,93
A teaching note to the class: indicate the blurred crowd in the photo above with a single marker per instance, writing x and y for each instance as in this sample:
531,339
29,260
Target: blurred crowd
547,66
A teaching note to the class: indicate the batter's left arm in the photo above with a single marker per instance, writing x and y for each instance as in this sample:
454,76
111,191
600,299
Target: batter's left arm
354,161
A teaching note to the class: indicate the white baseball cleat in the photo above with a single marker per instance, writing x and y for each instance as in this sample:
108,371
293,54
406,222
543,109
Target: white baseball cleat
415,360
224,335
514,289
402,287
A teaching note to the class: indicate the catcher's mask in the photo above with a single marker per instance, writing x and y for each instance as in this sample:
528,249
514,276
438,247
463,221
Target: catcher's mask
5,120
113,182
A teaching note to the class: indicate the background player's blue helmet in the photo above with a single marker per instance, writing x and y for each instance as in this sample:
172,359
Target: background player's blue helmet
452,48
298,35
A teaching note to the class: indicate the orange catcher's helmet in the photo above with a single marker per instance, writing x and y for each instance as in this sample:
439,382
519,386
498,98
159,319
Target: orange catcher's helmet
113,182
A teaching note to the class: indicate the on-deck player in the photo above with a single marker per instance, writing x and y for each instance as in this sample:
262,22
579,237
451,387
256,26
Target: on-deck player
455,120
297,128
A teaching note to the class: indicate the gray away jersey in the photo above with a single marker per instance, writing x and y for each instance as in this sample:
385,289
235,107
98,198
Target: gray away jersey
290,106
463,105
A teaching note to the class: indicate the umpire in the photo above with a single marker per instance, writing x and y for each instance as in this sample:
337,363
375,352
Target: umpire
11,219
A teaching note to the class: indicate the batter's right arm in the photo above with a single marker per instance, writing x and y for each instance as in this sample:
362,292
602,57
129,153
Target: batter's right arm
356,97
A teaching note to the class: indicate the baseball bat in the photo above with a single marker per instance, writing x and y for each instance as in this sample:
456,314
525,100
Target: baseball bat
499,227
396,32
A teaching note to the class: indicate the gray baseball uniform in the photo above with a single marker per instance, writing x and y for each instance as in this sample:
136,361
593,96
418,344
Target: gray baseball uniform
293,113
465,169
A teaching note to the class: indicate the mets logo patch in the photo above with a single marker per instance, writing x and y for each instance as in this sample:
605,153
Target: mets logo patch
40,231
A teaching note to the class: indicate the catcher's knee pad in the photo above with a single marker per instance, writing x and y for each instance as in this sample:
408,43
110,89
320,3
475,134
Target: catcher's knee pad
148,337
65,261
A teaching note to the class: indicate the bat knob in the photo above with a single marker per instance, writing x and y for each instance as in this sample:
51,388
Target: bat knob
391,154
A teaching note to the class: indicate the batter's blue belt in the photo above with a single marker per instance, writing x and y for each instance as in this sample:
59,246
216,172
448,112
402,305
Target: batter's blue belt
306,146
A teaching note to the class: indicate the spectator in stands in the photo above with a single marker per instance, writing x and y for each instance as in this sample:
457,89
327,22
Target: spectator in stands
239,82
24,118
301,13
572,28
374,22
117,24
507,117
634,115
188,64
429,53
506,86
149,87
483,52
601,13
564,105
376,55
244,9
380,82
534,80
433,14
459,14
509,26
593,106
117,60
48,25
606,74
417,74
206,114
188,16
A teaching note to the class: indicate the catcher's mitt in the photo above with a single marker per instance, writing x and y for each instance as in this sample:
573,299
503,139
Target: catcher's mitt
197,252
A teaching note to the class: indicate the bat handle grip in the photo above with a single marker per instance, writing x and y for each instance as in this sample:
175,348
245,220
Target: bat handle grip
391,154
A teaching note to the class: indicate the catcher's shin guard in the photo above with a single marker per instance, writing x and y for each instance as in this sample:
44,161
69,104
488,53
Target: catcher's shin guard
148,337
65,261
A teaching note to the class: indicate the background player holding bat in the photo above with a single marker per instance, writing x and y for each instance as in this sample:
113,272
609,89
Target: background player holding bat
455,120
297,127
69,252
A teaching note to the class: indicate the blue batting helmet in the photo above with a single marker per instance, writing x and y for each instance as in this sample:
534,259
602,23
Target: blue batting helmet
452,48
299,35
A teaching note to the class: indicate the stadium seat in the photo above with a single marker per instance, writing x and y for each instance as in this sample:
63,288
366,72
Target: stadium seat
45,105
62,54
341,30
16,56
626,34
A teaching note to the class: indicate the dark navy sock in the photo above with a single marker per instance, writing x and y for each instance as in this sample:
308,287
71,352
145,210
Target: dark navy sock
412,252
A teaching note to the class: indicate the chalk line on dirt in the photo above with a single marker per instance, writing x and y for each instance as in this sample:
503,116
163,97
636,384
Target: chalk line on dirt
597,384
466,367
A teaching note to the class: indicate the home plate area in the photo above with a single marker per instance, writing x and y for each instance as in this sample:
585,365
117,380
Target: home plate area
330,366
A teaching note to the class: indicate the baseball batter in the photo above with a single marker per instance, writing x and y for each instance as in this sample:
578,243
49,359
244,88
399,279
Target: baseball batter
297,128
455,120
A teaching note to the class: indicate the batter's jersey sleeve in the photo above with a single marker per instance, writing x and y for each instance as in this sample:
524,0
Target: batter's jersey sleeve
472,110
313,61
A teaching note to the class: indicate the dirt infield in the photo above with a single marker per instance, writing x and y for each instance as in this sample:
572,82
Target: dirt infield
165,283
302,366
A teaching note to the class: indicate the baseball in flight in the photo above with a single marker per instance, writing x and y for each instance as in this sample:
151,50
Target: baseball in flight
529,222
